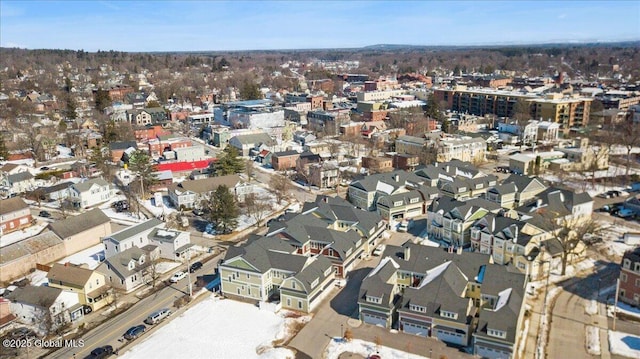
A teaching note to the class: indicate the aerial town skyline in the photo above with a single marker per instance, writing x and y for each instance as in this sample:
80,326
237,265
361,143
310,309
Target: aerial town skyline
219,25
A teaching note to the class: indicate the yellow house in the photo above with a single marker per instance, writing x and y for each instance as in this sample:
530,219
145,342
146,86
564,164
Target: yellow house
88,284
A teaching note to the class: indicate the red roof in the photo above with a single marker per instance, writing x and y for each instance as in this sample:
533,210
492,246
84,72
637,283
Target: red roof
183,166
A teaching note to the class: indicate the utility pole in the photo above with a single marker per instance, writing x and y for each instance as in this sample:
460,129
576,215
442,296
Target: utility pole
189,272
615,305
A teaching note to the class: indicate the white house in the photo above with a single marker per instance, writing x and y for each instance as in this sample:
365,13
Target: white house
171,244
127,270
188,194
90,193
47,307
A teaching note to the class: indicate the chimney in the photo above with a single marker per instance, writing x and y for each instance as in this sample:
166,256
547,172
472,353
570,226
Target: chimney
538,203
407,253
396,177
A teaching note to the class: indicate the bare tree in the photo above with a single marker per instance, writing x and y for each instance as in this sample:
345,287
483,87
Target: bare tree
629,135
571,233
153,270
257,207
280,186
249,170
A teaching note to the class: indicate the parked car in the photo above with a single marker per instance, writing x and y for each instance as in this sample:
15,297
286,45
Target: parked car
21,333
625,213
157,316
379,249
403,227
100,352
605,195
44,214
134,332
177,276
615,193
195,266
44,168
198,212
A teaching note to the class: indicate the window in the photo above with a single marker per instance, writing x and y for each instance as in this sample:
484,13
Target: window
248,276
637,282
293,285
288,302
623,277
626,264
417,308
446,314
238,291
372,299
299,304
397,203
414,200
496,333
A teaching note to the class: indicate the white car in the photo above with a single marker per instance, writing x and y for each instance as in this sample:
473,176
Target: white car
177,276
379,249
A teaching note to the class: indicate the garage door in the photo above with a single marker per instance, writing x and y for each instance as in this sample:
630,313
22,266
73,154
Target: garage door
411,328
375,320
491,353
450,337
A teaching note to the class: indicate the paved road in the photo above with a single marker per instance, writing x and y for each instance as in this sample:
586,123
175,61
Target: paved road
111,331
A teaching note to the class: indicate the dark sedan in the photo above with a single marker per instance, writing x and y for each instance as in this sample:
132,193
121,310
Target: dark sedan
101,352
134,332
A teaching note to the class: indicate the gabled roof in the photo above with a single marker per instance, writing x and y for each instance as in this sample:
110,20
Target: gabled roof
29,246
504,189
379,283
266,253
69,274
315,268
256,138
522,182
558,201
205,185
12,205
136,229
40,296
286,153
56,187
77,224
120,261
86,185
20,177
391,180
122,145
336,208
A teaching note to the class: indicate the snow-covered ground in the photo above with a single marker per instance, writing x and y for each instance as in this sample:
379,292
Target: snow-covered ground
245,221
126,218
38,278
593,340
165,207
624,344
92,257
612,237
582,182
338,346
626,309
20,235
224,329
591,307
164,267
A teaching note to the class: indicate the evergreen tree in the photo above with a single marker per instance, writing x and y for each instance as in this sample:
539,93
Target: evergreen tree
70,110
141,164
223,209
250,91
102,99
229,163
4,152
433,109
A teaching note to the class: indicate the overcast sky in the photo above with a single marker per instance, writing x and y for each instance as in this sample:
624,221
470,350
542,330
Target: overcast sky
253,25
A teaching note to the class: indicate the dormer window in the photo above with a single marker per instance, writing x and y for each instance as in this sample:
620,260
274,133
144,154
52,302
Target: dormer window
417,308
496,333
414,200
372,299
451,315
132,264
141,260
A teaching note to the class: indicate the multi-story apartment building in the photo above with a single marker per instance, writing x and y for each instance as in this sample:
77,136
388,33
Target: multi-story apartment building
630,277
567,111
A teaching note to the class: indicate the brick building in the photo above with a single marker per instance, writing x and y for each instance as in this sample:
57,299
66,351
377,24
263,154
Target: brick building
630,278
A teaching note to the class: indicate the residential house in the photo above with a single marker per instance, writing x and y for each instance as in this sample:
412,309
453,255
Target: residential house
404,205
245,143
410,145
450,220
364,193
82,231
323,175
89,285
505,239
457,179
340,215
129,269
530,163
442,294
14,215
516,190
47,307
20,182
405,162
581,157
57,192
189,194
380,295
267,266
285,160
117,149
501,314
91,192
312,235
630,277
378,164
560,205
170,243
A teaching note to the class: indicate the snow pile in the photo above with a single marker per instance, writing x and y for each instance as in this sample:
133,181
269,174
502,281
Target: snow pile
626,309
591,307
593,340
624,344
38,278
338,346
216,328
